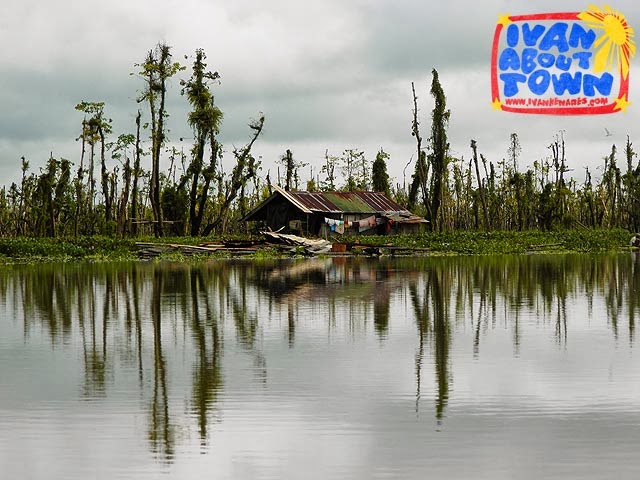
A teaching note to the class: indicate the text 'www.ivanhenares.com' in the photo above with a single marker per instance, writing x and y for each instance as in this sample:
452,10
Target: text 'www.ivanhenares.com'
556,102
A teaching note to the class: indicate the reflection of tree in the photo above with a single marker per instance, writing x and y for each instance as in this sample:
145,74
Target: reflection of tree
95,357
621,286
421,312
442,337
381,302
561,321
291,322
130,288
563,288
432,317
160,430
381,312
634,286
46,297
119,313
207,374
246,323
480,282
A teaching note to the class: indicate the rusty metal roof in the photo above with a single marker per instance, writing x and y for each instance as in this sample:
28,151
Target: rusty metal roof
339,203
342,202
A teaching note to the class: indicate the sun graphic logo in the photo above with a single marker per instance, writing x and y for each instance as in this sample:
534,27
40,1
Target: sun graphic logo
562,63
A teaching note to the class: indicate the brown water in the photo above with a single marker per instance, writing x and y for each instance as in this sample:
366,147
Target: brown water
474,367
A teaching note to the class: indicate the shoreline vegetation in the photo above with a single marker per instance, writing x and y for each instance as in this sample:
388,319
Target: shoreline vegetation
109,249
141,182
117,201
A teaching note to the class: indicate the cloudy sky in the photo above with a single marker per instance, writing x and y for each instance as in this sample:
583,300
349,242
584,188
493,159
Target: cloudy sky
328,75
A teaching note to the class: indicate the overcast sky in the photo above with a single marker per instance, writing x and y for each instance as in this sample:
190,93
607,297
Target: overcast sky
328,75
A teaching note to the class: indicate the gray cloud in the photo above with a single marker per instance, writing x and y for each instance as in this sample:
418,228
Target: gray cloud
328,74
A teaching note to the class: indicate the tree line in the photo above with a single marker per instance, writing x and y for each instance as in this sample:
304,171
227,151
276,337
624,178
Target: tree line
108,191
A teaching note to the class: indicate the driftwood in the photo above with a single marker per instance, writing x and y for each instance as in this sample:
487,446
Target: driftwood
288,243
309,245
315,247
152,250
285,243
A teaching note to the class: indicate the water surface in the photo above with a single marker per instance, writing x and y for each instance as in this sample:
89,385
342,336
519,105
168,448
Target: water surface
468,367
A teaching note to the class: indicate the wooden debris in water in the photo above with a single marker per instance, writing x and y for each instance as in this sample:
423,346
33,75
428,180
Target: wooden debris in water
310,246
285,243
152,250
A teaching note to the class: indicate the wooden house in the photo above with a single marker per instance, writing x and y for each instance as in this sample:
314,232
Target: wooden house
329,213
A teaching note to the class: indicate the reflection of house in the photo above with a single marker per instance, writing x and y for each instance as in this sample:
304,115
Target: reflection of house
324,213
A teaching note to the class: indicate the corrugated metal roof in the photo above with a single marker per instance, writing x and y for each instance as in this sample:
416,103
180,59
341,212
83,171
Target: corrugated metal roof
402,217
342,202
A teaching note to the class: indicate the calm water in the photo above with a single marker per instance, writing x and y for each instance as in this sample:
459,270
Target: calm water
477,367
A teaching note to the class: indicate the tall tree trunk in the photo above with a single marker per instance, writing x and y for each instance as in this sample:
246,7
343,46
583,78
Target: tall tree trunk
421,173
136,175
440,147
481,191
155,173
196,170
79,180
207,180
290,170
104,177
124,198
243,171
92,188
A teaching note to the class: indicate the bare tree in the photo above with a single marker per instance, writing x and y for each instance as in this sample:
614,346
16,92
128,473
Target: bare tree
156,70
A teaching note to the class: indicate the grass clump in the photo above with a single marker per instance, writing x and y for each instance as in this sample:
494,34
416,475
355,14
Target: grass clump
65,249
508,242
103,248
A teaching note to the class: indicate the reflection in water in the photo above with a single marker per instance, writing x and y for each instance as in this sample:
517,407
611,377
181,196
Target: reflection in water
160,430
634,283
207,374
124,316
382,301
94,341
441,339
432,318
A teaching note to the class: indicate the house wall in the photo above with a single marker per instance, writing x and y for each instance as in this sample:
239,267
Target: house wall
408,228
279,213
